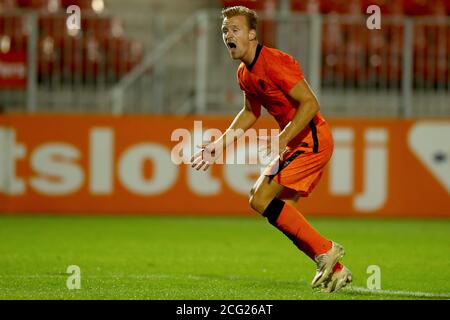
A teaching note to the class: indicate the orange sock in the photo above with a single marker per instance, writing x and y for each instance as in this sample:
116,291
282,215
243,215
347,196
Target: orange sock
294,225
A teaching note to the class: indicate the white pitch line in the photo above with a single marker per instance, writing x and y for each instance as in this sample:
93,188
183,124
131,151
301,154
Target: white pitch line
416,294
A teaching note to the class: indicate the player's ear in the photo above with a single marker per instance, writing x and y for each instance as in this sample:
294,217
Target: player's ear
252,34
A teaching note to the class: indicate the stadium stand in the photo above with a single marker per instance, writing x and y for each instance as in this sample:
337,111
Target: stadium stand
85,67
99,49
361,56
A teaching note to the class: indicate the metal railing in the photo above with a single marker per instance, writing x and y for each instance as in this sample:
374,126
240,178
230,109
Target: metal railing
165,80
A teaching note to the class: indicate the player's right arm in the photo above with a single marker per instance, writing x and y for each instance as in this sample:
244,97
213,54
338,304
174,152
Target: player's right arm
243,121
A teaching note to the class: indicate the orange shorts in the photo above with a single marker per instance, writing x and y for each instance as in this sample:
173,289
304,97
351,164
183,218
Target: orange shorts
303,165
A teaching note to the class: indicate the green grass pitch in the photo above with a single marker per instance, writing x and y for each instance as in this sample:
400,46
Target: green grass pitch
214,258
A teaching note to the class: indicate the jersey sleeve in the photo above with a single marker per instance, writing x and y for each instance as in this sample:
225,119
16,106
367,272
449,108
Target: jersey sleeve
285,72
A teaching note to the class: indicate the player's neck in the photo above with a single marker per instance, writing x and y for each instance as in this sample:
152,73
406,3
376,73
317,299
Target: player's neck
251,53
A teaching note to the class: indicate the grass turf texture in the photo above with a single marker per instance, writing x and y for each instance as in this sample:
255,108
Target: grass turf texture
211,258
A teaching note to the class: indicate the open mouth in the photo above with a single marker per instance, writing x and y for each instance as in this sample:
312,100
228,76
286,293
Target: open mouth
231,45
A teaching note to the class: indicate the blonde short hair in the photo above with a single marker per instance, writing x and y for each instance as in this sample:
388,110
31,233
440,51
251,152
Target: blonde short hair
252,17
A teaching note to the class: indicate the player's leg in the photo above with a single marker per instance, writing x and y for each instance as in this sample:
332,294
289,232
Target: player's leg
265,200
285,217
291,197
263,192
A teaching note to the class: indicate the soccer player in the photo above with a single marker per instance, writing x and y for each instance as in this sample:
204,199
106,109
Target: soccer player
274,80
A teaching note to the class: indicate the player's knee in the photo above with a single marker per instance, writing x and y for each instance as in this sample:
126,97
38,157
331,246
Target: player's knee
258,203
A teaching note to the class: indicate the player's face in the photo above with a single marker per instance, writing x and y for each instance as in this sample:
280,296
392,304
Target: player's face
237,36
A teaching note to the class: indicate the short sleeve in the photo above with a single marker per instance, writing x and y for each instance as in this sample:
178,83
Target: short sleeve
285,72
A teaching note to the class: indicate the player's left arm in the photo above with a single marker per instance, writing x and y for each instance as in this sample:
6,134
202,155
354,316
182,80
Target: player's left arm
309,106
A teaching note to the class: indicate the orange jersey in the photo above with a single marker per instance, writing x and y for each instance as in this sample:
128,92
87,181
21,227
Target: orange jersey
268,81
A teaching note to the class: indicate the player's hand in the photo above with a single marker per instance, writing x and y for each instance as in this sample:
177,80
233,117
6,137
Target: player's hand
208,154
272,147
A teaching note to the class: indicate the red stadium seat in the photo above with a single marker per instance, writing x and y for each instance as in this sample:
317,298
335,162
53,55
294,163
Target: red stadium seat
418,7
394,7
85,57
439,8
9,43
98,48
93,57
13,32
354,53
122,55
52,24
333,47
347,7
83,4
324,6
88,57
47,5
49,56
102,26
31,4
7,5
305,5
13,25
431,47
394,50
447,6
419,45
55,5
